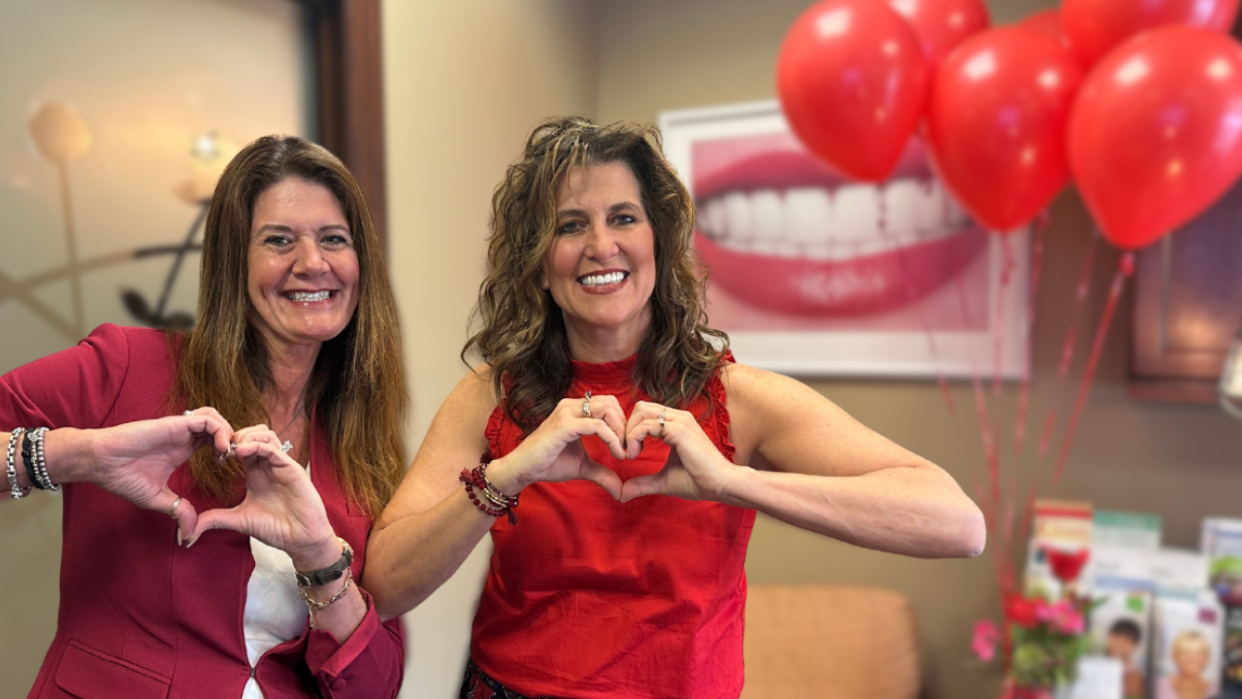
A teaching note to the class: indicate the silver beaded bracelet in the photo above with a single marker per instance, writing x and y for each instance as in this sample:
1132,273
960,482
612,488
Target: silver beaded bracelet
10,465
40,462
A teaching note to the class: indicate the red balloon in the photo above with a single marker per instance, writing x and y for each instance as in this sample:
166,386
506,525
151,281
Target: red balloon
942,24
1094,27
852,82
996,123
1048,23
1156,134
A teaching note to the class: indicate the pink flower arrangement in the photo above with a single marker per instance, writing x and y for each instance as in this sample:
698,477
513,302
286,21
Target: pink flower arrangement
1064,616
1039,645
987,635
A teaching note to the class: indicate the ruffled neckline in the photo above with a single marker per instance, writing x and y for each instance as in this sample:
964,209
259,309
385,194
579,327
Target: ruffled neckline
616,373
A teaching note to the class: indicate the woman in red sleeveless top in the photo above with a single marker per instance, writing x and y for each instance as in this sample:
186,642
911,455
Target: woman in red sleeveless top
624,453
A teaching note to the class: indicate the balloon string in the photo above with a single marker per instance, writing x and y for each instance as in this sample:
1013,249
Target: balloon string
941,380
1125,267
992,456
1067,350
990,499
1024,394
998,332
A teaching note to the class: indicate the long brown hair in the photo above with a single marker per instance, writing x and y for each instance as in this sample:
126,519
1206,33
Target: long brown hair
356,391
522,334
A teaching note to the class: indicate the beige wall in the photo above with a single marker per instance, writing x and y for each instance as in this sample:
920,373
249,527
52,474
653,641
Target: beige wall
143,117
1179,461
464,84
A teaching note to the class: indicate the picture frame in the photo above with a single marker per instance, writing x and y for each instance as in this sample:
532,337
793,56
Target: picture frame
814,275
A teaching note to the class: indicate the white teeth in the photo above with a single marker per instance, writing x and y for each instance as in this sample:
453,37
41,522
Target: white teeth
602,279
738,221
900,200
302,296
767,213
715,218
806,210
819,223
855,214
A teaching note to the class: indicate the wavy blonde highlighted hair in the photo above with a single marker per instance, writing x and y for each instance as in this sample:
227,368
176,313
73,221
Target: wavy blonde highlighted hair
356,390
522,334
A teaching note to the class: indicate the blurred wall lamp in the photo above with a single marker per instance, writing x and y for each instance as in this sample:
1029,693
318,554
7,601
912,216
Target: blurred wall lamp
1230,388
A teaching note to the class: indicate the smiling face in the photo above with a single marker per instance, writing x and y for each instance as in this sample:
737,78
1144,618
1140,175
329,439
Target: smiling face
600,268
1191,657
303,268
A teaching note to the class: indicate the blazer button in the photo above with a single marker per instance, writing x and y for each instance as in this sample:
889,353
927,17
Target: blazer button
338,684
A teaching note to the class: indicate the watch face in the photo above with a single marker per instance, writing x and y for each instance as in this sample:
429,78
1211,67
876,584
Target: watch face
332,572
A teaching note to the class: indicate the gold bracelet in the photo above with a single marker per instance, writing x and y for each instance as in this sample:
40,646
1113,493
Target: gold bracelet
312,606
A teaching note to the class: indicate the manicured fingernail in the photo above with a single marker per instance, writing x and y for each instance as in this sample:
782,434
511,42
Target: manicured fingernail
191,542
178,536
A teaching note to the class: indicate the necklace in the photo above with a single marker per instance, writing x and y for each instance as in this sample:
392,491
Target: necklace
297,414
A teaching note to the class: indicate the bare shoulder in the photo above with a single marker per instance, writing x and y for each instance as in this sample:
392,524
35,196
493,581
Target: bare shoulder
462,418
454,441
475,393
761,403
754,392
780,423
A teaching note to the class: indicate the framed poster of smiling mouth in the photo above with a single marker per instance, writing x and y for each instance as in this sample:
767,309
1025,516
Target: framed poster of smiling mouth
813,274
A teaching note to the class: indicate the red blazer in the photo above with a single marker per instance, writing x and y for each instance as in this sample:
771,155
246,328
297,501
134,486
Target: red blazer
142,618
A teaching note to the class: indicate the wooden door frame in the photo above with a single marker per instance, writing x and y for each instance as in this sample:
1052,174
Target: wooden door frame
349,75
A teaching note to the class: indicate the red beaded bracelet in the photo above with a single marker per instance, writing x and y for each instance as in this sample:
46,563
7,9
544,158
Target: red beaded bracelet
497,503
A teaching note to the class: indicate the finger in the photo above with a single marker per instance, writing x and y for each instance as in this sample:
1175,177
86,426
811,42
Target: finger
266,452
643,410
642,486
257,436
602,476
207,421
247,431
645,429
600,429
612,415
231,519
183,514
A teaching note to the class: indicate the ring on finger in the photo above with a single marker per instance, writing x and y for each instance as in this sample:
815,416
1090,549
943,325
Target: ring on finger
172,511
286,446
188,413
661,419
586,405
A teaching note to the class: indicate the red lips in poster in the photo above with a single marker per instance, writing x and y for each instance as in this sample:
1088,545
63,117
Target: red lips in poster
784,233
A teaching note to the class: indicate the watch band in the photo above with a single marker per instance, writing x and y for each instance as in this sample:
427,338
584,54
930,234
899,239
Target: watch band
332,572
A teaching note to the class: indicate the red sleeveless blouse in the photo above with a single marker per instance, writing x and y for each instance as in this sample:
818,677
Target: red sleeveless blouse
595,599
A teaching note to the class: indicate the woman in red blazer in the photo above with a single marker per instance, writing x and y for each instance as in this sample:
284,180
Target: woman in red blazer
297,341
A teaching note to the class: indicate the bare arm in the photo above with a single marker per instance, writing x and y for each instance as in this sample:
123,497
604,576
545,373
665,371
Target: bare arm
814,466
431,526
132,460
